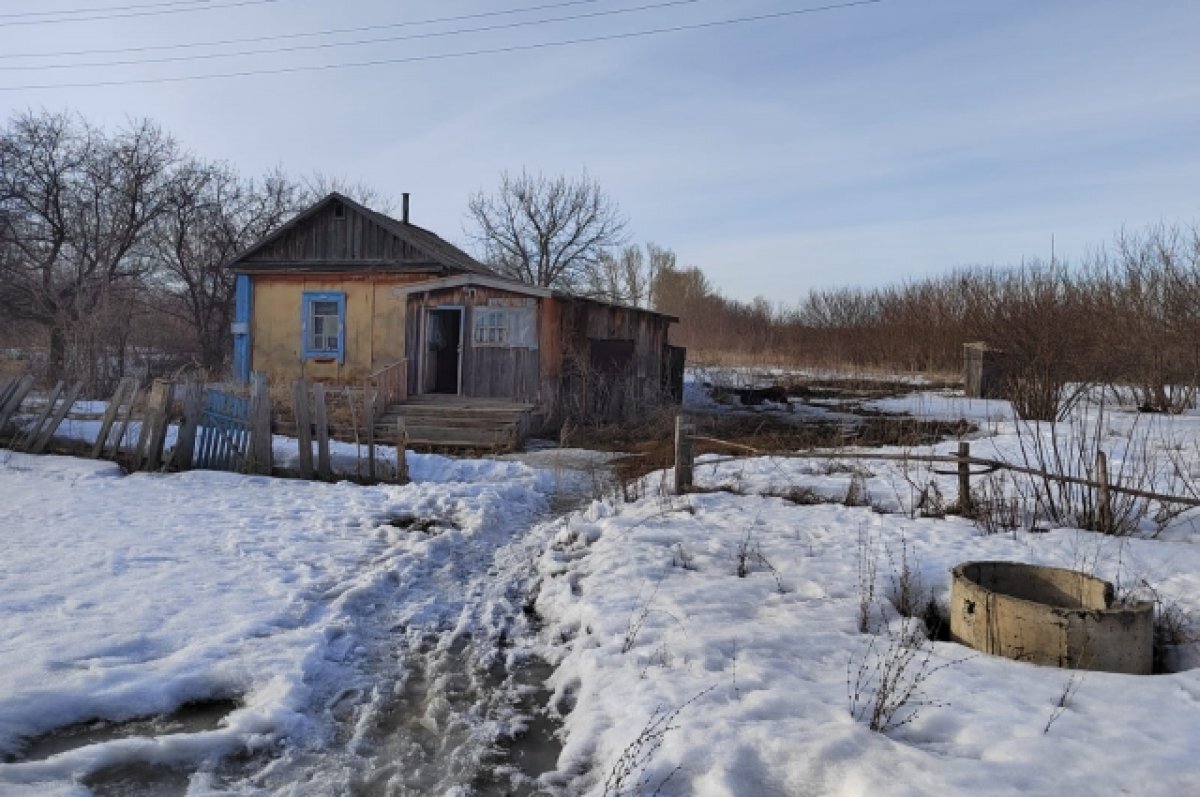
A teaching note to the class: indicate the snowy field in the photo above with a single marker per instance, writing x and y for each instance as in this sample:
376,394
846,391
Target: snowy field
704,644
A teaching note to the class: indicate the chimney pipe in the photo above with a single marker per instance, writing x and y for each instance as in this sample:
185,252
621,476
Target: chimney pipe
405,217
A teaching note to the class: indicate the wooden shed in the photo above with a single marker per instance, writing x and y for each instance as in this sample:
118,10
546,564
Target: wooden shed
345,295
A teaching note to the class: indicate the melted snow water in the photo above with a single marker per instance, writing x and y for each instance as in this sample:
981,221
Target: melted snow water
189,718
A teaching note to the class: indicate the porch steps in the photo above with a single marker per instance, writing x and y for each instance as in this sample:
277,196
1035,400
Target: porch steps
452,422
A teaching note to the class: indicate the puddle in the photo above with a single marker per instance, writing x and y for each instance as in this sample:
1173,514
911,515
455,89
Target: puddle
518,762
138,780
194,717
424,741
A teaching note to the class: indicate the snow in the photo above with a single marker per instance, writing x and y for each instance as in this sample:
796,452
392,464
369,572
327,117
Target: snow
703,644
649,597
127,596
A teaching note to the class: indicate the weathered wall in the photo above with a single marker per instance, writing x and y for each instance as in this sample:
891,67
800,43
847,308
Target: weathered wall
374,325
488,371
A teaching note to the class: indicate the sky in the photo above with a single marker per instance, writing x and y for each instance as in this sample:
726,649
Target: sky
823,144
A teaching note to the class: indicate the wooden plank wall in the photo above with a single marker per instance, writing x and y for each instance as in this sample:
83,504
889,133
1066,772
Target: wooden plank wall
326,237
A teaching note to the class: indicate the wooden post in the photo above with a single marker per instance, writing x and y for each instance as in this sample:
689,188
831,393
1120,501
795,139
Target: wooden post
683,455
369,425
260,424
303,427
1103,494
43,439
401,452
320,419
185,442
148,454
31,434
964,477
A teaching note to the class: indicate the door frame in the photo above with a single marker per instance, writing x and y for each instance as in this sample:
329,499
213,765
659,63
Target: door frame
424,351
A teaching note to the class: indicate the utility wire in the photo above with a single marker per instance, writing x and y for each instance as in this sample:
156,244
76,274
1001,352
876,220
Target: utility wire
460,54
359,42
313,34
146,13
96,9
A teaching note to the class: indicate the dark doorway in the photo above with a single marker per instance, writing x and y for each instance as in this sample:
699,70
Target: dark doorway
611,378
443,351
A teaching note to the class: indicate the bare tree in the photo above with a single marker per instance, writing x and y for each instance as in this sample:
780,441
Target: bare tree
211,214
628,277
74,203
545,231
318,184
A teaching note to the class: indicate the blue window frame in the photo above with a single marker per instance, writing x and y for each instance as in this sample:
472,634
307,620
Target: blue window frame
323,326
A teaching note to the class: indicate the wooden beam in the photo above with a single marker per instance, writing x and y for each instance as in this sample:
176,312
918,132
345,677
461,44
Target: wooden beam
303,427
43,439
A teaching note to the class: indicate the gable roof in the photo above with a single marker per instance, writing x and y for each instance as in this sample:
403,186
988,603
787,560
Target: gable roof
435,249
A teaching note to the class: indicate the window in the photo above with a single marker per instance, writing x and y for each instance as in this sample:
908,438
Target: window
323,326
509,327
491,328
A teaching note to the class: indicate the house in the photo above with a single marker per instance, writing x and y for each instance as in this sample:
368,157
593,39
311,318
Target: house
345,295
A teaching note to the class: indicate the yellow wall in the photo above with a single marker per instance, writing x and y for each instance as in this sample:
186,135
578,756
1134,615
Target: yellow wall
374,326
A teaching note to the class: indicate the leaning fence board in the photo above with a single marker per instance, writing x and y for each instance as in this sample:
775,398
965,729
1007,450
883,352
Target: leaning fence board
43,439
6,387
31,433
126,419
15,396
122,394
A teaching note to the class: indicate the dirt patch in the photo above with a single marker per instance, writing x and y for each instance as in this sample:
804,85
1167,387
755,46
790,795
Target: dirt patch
650,444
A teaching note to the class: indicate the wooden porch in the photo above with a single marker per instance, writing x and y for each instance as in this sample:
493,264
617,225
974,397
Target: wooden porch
434,420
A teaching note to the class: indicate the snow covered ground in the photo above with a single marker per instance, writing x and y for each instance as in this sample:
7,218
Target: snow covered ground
714,639
307,603
704,644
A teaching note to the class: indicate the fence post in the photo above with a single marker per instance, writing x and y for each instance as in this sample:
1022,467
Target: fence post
683,455
185,441
401,451
964,477
260,424
320,419
369,426
1103,494
303,427
154,425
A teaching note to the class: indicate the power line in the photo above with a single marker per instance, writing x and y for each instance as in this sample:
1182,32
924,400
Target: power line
94,9
146,13
313,34
67,12
448,56
360,42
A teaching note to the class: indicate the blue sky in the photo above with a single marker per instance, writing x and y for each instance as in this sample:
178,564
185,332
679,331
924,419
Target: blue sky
861,145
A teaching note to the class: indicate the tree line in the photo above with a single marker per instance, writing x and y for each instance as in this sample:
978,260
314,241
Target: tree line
1128,315
112,243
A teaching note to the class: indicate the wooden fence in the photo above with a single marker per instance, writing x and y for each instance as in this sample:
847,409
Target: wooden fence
962,460
217,427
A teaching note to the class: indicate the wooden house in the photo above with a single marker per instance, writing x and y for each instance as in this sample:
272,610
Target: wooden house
345,295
